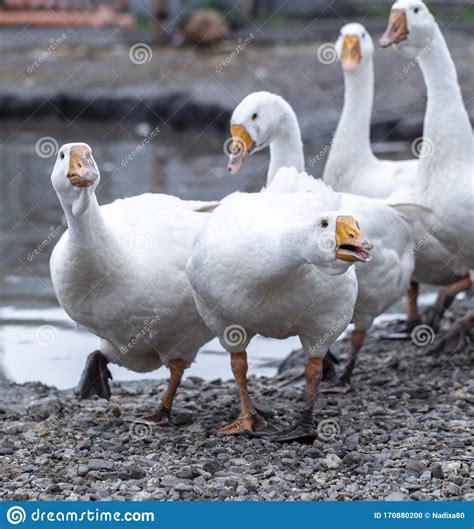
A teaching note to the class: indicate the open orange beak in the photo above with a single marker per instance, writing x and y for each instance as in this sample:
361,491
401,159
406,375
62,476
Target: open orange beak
397,29
241,146
351,245
82,170
351,55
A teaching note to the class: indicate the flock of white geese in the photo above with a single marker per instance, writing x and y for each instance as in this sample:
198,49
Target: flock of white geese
303,257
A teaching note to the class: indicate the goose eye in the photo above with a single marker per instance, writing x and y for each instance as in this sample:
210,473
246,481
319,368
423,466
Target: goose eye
363,35
61,154
254,116
416,10
324,223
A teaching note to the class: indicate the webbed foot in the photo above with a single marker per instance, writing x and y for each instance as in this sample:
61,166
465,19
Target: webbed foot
95,378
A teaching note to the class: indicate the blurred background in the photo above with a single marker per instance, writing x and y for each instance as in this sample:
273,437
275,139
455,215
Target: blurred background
151,85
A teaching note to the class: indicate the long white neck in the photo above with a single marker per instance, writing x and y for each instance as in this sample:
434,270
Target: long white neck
351,142
446,129
89,231
286,147
293,248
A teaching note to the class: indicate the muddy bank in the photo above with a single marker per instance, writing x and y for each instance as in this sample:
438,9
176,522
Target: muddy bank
403,432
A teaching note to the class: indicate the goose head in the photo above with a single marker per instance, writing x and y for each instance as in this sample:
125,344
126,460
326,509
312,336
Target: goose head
254,123
336,242
354,47
411,27
75,176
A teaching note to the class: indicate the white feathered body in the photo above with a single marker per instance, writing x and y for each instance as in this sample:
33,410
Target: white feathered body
243,278
442,179
369,177
383,280
124,279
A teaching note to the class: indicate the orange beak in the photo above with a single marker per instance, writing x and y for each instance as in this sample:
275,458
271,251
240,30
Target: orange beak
241,146
351,245
351,55
82,170
397,29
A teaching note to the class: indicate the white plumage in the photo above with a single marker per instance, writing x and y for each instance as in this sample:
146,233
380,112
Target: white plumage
444,183
251,266
119,271
384,280
351,165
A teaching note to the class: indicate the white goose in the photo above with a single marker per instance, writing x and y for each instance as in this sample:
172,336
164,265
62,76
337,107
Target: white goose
260,266
119,271
351,165
263,119
445,180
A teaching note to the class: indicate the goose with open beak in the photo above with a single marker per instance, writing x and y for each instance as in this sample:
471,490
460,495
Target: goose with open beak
266,119
297,279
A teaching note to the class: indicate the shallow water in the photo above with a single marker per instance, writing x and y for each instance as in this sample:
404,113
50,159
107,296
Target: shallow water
38,341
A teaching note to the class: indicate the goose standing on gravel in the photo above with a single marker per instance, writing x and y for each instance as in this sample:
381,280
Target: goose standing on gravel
445,181
263,119
353,168
119,271
270,264
351,165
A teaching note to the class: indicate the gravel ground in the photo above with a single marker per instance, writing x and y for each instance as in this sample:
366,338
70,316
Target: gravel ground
403,432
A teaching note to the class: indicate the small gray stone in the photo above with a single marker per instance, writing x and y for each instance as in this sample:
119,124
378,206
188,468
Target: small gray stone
332,461
183,487
100,464
82,470
451,489
437,471
396,496
187,473
6,450
132,472
417,467
42,409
